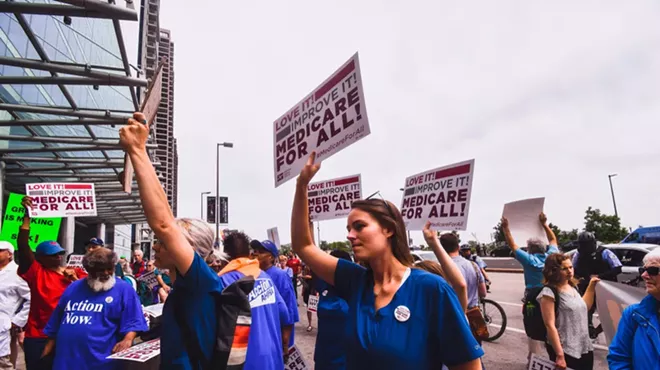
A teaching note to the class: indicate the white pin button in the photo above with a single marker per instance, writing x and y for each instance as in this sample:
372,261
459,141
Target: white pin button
325,293
402,313
108,299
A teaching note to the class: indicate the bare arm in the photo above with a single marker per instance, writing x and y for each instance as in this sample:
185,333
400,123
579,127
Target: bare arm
590,293
125,343
48,348
548,313
449,268
482,290
286,337
133,138
507,235
25,254
323,264
471,365
161,282
552,238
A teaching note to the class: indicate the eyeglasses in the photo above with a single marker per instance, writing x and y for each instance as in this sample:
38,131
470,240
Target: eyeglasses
652,270
380,197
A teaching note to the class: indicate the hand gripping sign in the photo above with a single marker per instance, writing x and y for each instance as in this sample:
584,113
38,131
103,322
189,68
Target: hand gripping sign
441,196
329,119
295,360
142,352
537,362
332,199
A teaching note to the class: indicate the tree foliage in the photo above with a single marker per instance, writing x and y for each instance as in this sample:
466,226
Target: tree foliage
606,228
498,236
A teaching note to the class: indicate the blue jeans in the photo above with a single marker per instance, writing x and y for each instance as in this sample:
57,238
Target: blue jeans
33,348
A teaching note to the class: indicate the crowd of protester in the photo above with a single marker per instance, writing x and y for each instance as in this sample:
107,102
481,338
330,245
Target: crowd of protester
237,308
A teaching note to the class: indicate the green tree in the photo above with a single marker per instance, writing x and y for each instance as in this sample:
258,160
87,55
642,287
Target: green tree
285,249
341,245
606,228
324,245
498,236
563,237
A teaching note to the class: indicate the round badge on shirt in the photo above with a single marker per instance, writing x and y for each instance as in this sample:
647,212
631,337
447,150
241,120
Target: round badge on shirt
108,299
402,313
325,293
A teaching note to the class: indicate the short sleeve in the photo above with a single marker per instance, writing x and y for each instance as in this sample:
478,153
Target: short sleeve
200,277
456,343
611,258
132,318
522,257
545,292
575,258
285,317
347,277
480,277
552,249
30,276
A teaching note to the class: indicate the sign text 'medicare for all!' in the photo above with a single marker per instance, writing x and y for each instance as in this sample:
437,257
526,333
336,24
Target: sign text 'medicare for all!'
62,199
333,198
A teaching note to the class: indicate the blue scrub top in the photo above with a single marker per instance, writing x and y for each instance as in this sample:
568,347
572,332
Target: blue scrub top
332,312
434,331
284,286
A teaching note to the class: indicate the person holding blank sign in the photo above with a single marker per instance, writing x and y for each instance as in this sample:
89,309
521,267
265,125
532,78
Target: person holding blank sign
398,317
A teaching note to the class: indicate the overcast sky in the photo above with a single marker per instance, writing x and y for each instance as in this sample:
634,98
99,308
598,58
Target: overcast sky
547,98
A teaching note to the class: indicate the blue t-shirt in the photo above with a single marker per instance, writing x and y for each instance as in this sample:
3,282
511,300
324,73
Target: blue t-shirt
269,314
332,312
285,288
430,327
86,325
196,289
533,265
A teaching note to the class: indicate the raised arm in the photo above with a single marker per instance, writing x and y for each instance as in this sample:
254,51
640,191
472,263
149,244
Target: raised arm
323,264
552,238
507,235
25,254
451,271
590,293
133,138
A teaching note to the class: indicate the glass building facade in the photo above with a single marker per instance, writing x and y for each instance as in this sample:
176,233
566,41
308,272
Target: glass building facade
66,87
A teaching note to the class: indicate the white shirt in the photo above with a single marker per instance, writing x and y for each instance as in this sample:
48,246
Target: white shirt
14,303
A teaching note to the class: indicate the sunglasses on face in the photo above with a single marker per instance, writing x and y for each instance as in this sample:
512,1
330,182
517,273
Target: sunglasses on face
652,270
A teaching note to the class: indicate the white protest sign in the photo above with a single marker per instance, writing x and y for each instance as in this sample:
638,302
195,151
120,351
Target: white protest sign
75,260
523,217
332,198
296,360
329,119
313,303
142,352
62,199
274,236
149,279
537,362
441,195
611,299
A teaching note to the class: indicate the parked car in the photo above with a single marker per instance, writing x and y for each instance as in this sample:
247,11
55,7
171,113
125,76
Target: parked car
630,255
420,255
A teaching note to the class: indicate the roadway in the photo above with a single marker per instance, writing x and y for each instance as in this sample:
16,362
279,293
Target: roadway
509,352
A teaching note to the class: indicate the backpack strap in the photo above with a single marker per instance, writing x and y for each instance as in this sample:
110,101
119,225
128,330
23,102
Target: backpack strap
557,297
190,342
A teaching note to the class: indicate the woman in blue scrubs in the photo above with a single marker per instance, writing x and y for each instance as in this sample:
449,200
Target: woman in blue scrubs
398,317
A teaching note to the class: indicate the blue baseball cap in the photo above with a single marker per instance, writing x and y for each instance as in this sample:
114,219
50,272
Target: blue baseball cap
95,241
267,245
49,248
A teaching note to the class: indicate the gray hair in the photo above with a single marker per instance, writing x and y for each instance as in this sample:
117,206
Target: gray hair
99,257
199,234
652,257
535,245
139,251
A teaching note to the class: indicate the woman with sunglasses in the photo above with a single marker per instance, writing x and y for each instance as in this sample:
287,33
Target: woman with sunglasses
636,344
565,314
399,317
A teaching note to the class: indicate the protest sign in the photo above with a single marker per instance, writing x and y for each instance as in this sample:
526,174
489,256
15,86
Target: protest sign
149,279
75,260
274,236
523,216
41,229
329,119
332,198
441,195
142,352
55,199
537,362
296,360
611,299
149,108
313,303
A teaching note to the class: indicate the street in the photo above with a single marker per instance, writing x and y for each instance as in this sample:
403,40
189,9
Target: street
509,352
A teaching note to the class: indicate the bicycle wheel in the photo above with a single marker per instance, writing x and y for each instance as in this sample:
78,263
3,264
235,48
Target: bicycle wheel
495,317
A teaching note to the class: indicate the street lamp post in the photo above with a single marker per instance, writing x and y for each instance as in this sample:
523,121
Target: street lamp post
201,205
612,190
217,189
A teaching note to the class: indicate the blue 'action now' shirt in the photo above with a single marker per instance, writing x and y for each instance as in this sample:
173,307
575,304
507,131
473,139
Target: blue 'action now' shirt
285,288
332,312
86,325
196,289
269,314
434,331
533,265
